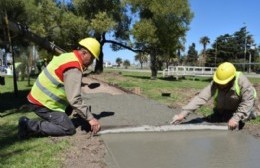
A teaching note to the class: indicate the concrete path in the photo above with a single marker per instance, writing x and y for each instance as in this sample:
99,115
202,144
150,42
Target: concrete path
166,149
183,149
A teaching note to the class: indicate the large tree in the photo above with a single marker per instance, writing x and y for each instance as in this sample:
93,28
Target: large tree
108,23
234,47
161,27
55,22
49,20
158,26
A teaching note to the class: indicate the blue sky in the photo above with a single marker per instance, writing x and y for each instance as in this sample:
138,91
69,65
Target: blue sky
212,18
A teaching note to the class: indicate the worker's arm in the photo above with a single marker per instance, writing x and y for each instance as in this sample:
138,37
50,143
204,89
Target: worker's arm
199,100
247,99
72,83
202,98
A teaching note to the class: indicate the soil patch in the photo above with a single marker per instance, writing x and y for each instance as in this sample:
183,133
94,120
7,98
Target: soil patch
86,151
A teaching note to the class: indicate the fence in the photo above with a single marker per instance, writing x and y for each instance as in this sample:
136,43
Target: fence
180,71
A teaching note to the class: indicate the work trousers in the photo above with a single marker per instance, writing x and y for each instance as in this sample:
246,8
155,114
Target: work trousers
53,123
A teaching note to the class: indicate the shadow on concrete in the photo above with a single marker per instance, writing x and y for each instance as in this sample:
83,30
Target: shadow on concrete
103,114
198,120
91,85
84,126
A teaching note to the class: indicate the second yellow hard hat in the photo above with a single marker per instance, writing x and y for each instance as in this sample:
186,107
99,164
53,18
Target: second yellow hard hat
224,73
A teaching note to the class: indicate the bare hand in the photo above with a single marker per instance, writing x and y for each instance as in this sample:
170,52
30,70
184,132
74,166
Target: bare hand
95,126
177,119
232,124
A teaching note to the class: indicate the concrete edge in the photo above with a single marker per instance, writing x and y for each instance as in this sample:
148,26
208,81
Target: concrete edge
163,128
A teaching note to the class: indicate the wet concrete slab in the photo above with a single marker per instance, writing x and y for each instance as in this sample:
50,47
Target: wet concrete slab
167,149
128,110
182,149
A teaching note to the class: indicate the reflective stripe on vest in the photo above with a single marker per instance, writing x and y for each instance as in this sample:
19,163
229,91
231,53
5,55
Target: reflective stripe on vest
49,86
237,89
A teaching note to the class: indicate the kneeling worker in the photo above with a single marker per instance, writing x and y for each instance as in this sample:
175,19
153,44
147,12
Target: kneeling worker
57,91
234,98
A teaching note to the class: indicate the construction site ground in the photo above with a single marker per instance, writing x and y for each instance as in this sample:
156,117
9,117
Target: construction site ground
116,108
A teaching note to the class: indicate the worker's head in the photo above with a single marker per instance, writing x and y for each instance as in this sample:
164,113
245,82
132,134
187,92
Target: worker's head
89,49
224,74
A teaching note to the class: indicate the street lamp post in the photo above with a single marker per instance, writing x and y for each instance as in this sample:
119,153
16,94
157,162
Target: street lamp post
252,47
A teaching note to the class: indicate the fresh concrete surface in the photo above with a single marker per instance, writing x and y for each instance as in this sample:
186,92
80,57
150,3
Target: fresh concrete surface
128,110
180,149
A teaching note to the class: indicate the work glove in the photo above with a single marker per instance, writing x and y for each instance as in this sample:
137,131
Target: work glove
177,119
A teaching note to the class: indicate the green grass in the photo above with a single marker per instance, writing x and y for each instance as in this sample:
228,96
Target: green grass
153,88
181,90
33,152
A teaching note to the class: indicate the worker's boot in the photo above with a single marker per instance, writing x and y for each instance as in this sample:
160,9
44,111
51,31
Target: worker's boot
23,131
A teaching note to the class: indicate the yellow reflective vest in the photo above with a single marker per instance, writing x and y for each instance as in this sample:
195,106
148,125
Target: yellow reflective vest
237,88
48,90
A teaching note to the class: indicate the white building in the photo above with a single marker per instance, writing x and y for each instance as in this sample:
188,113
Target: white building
107,64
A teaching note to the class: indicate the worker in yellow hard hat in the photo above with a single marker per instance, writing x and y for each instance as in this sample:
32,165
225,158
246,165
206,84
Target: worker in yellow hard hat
56,93
234,98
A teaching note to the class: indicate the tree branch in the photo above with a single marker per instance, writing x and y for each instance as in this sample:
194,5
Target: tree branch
122,45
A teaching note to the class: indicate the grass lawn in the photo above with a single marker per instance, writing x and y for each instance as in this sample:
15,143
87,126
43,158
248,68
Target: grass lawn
34,152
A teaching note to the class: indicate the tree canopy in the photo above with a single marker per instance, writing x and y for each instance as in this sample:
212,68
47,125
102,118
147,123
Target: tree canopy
161,27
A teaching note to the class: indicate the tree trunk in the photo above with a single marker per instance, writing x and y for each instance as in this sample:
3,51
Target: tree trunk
10,48
99,63
153,66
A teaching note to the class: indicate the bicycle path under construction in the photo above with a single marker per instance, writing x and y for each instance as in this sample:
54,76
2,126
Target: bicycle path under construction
136,133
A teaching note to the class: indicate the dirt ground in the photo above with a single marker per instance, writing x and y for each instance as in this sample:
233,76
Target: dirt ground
89,151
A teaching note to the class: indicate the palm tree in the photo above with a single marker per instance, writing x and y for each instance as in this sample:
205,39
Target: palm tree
142,58
204,41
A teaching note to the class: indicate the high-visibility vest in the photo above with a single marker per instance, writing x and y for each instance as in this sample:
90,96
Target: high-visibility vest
237,89
48,90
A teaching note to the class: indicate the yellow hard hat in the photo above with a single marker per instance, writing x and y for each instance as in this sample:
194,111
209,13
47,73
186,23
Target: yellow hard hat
92,45
224,73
